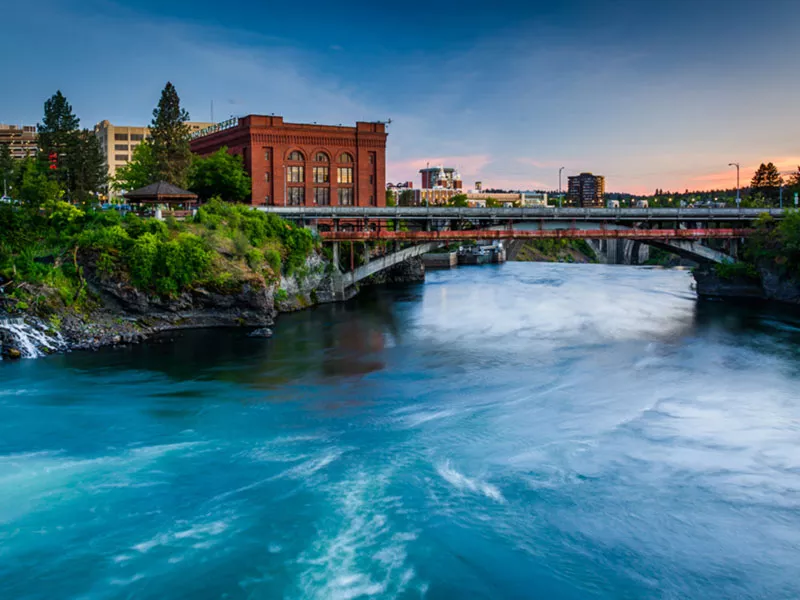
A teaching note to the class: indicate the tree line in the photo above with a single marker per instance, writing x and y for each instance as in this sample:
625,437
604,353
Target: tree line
70,166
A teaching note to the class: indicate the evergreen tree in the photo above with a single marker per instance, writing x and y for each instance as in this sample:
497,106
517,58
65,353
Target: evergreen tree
170,139
6,166
56,133
794,178
85,166
766,182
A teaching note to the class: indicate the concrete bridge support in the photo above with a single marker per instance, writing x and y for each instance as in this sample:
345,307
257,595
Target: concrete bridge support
620,251
342,282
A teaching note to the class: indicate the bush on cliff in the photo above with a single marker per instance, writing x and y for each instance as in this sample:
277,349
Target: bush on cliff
776,244
50,246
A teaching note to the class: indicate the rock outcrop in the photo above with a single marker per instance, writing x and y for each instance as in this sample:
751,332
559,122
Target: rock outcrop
770,285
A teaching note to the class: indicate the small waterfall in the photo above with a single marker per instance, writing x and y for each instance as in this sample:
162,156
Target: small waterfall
31,336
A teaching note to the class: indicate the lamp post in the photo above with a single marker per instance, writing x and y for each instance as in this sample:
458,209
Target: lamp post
738,196
559,186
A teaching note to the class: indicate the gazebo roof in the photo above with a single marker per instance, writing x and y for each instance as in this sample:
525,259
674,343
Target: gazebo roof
161,192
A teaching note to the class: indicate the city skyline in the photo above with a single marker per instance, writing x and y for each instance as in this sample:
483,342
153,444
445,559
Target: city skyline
656,97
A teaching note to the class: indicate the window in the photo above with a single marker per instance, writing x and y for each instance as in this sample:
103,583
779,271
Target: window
123,147
120,137
267,155
345,174
296,196
266,199
137,137
321,157
372,200
296,174
295,155
346,158
346,196
266,177
321,175
121,157
372,158
322,196
372,179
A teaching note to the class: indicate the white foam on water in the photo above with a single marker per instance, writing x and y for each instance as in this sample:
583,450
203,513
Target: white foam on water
356,554
464,483
310,467
124,582
421,417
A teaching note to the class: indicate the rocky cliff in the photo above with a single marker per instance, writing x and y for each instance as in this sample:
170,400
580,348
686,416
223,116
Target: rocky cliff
769,284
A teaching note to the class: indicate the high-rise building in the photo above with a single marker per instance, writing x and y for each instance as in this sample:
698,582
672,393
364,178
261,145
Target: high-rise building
21,140
586,190
297,164
440,177
118,142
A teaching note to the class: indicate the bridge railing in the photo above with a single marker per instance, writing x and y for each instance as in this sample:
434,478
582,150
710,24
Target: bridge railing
523,213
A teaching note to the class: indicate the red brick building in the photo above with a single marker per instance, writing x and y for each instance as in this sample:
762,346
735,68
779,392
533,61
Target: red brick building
297,164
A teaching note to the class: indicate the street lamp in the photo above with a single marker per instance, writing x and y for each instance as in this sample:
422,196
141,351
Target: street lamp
559,186
738,197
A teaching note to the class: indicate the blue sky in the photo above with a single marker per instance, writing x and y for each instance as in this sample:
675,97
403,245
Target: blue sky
651,94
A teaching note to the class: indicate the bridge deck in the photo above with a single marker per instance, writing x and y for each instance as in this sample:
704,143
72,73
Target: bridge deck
524,214
500,234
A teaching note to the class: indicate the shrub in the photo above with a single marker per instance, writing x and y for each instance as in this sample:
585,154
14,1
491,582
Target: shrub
255,259
273,259
740,270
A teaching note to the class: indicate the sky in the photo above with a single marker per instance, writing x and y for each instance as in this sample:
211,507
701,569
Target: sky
651,94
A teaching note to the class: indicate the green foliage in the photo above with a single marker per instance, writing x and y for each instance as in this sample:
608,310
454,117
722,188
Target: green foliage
281,295
255,259
170,139
221,174
459,200
168,265
391,198
741,270
35,187
259,228
139,172
406,198
776,244
86,169
273,259
766,182
56,133
7,164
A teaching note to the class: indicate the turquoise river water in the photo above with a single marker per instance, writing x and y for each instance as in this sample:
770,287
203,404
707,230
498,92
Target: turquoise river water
513,431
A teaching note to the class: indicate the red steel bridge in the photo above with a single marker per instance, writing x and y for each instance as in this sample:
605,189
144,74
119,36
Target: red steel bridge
701,234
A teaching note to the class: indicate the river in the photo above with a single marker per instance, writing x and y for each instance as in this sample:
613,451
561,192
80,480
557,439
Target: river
507,431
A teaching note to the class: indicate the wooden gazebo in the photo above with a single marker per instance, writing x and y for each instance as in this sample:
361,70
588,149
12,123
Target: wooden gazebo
162,192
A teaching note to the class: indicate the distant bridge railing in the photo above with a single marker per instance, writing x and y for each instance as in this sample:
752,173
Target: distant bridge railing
526,213
504,234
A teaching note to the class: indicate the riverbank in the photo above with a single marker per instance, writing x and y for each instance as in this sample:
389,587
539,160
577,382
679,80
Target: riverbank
743,281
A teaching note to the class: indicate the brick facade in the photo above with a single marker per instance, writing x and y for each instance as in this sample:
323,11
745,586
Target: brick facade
269,148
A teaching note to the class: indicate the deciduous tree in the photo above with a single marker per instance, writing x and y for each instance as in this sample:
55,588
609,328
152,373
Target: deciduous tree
221,174
139,172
